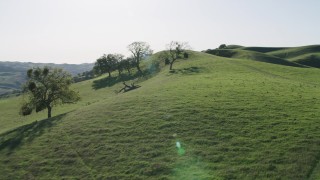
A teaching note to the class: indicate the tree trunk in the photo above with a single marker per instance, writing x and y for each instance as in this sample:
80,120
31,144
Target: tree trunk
109,74
138,67
129,72
171,63
49,111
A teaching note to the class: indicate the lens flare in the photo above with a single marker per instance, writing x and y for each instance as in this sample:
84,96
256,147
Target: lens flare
178,144
181,151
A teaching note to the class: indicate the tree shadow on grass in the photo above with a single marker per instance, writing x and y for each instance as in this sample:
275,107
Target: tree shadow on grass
149,70
110,81
27,133
187,71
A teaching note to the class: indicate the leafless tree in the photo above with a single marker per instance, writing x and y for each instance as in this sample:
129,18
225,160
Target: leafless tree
139,51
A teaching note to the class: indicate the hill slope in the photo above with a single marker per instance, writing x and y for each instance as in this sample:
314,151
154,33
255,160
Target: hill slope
235,119
288,53
251,55
300,56
310,59
262,49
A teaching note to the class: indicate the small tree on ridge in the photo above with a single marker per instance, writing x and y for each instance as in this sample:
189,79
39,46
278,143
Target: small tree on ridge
176,50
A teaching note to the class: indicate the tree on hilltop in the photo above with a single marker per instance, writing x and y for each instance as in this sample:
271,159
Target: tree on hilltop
222,46
47,88
175,50
139,51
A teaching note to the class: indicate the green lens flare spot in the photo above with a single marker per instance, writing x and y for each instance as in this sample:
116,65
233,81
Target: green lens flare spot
181,151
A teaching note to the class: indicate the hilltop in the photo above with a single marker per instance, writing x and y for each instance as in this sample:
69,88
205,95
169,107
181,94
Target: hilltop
248,115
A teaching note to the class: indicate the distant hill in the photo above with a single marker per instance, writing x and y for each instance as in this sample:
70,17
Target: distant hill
310,59
262,49
304,56
252,55
13,74
293,52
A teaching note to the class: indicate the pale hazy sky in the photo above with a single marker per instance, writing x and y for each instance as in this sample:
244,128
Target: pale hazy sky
78,31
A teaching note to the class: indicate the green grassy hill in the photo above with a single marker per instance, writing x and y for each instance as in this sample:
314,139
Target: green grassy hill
310,59
252,55
262,49
299,56
235,119
305,55
288,53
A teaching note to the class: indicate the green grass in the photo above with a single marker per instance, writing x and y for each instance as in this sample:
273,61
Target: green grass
262,49
289,53
235,119
310,59
305,55
252,55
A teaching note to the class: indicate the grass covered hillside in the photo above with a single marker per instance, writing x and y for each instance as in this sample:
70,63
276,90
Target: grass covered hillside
293,52
291,56
311,59
252,55
306,55
233,118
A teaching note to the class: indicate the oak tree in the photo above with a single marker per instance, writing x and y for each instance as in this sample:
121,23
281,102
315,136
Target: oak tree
46,88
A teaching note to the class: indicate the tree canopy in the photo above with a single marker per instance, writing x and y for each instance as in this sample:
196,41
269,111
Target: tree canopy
139,51
105,64
109,63
46,88
222,46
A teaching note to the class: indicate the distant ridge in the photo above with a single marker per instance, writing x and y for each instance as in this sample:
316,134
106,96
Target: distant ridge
262,49
252,55
303,56
13,74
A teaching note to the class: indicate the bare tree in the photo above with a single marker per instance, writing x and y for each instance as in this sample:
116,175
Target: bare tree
176,50
139,51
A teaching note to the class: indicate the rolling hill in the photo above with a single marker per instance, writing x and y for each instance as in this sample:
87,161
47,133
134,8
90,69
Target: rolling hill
305,55
235,118
252,55
310,59
299,56
293,52
262,49
13,74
